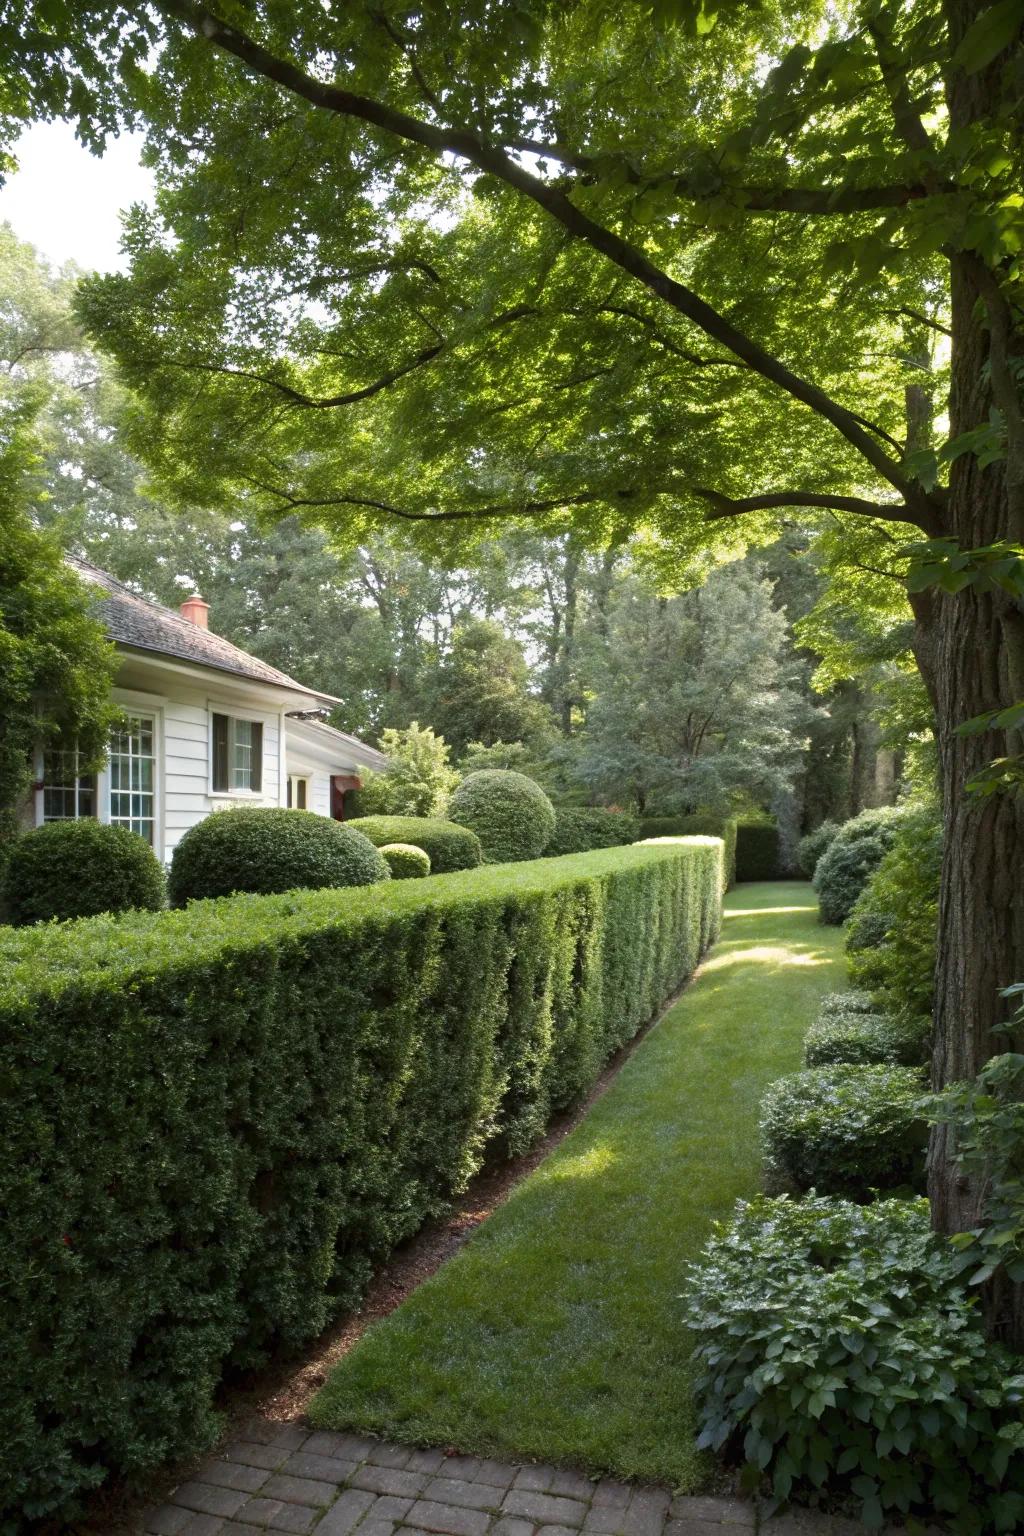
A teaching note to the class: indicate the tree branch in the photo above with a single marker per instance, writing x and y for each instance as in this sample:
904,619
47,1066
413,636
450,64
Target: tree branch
493,160
727,506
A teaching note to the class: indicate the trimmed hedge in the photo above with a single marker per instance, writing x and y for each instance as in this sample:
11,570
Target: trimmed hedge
757,850
582,829
845,1002
867,1037
843,1357
215,1121
406,861
265,849
700,824
846,1130
448,847
69,869
510,814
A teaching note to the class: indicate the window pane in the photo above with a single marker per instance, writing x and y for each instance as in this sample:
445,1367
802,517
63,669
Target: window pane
132,776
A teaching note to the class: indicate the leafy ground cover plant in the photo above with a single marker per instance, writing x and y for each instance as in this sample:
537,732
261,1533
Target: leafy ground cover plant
69,869
841,1357
266,849
851,857
406,861
862,1038
448,847
215,1120
845,1130
510,814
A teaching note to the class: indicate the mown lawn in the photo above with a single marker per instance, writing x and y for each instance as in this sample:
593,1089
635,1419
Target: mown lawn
557,1332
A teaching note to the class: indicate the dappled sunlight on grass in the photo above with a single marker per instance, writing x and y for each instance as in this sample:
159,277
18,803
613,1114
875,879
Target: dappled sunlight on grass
557,1332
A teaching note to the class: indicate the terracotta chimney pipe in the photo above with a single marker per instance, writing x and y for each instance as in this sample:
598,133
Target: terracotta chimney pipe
196,611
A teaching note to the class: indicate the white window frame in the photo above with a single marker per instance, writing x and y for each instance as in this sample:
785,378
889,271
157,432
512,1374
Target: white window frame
291,795
269,780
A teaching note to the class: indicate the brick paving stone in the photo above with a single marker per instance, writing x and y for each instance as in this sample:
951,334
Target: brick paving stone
384,1455
496,1474
606,1519
454,1490
261,1431
345,1513
203,1525
389,1508
328,1442
236,1528
544,1508
557,1530
207,1500
448,1518
573,1485
291,1437
426,1461
611,1495
231,1474
328,1469
168,1521
371,1526
536,1477
461,1466
687,1527
299,1490
715,1511
510,1525
389,1480
251,1453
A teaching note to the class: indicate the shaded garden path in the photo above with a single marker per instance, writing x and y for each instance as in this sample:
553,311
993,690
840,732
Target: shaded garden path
557,1332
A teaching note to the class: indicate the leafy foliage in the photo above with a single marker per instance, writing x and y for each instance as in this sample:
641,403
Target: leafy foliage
840,1356
579,829
406,861
863,1038
757,850
845,1130
418,780
266,849
196,1160
845,1002
447,846
850,859
813,845
893,925
69,869
511,815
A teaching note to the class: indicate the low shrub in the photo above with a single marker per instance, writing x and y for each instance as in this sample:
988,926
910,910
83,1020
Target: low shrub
841,1358
581,829
813,845
866,1038
68,869
447,846
852,856
405,861
854,1001
510,814
215,1121
892,929
757,850
699,824
264,849
845,1130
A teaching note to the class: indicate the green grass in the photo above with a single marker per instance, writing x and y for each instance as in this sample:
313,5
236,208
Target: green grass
557,1332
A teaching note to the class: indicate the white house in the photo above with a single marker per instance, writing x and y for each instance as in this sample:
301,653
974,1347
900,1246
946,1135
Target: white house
205,725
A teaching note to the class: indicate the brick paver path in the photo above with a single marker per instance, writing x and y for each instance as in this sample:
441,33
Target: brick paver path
287,1478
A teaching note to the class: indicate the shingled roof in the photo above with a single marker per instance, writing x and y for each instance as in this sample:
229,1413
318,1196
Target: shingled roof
144,626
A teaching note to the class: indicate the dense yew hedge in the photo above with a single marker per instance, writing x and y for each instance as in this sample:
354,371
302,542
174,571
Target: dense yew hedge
757,850
214,1121
264,849
447,846
580,829
69,869
510,814
700,824
406,861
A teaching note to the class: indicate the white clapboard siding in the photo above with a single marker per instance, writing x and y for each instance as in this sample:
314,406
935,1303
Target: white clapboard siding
320,793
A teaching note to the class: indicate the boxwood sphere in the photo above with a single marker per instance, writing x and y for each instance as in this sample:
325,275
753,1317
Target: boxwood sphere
406,861
79,869
267,848
510,814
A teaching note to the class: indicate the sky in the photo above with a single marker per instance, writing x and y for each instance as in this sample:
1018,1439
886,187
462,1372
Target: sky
66,201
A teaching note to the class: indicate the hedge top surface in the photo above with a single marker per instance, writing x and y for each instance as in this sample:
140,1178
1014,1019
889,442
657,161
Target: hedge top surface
511,814
450,847
114,950
266,849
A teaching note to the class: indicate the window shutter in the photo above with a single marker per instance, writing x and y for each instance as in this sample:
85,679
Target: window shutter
302,795
221,739
257,756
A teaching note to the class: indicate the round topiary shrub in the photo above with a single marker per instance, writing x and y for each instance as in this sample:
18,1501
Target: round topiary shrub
851,858
406,861
579,829
867,1038
845,1130
810,848
71,869
447,846
265,849
510,814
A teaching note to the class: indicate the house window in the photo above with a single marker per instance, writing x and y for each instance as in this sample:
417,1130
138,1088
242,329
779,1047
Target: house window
298,793
237,755
133,775
67,794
